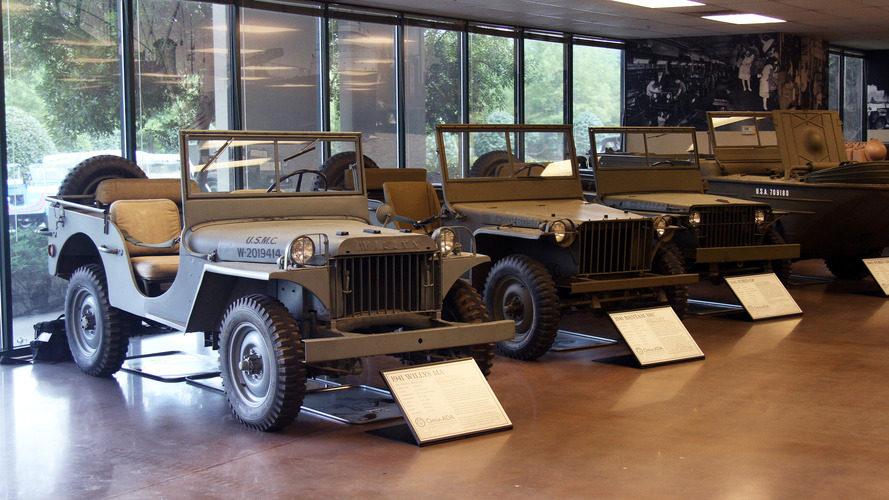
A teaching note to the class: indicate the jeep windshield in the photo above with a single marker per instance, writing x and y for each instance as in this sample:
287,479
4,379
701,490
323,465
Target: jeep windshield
268,164
645,147
735,129
518,153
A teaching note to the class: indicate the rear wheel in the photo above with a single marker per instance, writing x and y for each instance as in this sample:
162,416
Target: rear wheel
669,261
95,336
261,360
521,289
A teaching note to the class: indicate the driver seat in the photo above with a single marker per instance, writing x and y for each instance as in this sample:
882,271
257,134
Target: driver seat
415,200
151,229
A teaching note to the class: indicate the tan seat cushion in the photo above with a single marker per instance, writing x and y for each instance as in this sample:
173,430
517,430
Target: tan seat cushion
148,221
111,190
156,267
414,200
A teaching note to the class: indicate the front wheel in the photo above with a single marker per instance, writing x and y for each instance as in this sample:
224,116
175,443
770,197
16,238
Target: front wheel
521,289
95,337
781,267
669,261
261,360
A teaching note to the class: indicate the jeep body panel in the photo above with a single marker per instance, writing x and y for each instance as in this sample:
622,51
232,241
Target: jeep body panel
657,173
794,160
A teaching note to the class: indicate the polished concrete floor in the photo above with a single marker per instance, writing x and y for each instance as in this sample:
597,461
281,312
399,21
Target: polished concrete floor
784,408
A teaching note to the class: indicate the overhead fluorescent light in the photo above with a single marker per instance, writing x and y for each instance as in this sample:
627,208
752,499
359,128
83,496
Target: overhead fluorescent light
661,4
744,19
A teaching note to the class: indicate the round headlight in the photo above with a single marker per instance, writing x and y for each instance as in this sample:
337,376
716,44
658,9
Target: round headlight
760,217
559,230
694,218
302,250
660,226
447,240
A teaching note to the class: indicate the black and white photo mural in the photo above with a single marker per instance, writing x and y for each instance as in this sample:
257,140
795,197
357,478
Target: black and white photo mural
674,82
877,90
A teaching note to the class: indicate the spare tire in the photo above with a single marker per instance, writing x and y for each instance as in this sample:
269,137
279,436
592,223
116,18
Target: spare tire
83,179
334,168
488,164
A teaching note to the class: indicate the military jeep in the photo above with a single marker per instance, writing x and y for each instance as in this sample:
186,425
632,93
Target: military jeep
656,173
796,161
516,187
285,277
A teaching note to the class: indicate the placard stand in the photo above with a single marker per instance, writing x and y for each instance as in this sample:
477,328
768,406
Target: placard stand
445,401
879,270
656,336
763,296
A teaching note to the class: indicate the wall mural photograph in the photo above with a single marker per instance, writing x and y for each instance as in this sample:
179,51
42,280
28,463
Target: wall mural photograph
674,82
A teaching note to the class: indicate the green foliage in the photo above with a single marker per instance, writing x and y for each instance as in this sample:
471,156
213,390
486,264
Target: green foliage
442,78
582,123
34,290
544,82
26,140
492,75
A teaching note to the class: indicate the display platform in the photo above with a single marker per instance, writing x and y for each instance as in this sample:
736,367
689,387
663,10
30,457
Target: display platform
708,308
574,341
351,404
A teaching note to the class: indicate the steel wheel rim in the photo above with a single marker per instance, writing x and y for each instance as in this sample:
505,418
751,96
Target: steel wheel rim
515,303
249,363
86,323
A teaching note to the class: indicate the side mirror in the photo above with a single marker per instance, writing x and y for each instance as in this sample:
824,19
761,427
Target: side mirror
384,214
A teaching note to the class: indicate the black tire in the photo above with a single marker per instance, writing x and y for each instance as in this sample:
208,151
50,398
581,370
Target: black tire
781,267
880,123
261,360
668,261
96,337
488,164
86,176
521,289
334,168
850,267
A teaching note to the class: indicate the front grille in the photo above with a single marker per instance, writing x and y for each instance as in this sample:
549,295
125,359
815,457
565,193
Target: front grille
615,246
385,284
726,226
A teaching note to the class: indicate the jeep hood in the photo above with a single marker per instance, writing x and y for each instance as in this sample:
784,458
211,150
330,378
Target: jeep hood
266,240
670,202
533,213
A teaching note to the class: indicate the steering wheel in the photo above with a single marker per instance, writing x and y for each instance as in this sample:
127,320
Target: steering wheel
529,167
299,181
662,162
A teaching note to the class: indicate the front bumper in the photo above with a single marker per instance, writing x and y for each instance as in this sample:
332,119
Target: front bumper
441,334
586,285
746,253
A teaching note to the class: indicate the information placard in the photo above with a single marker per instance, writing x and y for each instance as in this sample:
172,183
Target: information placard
656,335
447,400
879,269
763,296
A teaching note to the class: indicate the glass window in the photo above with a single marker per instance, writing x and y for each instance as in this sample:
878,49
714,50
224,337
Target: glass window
182,76
544,82
279,60
597,91
431,90
491,79
853,98
834,84
362,86
62,81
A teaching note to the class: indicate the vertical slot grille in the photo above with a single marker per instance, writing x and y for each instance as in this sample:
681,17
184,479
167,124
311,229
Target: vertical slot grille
727,226
384,284
615,246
